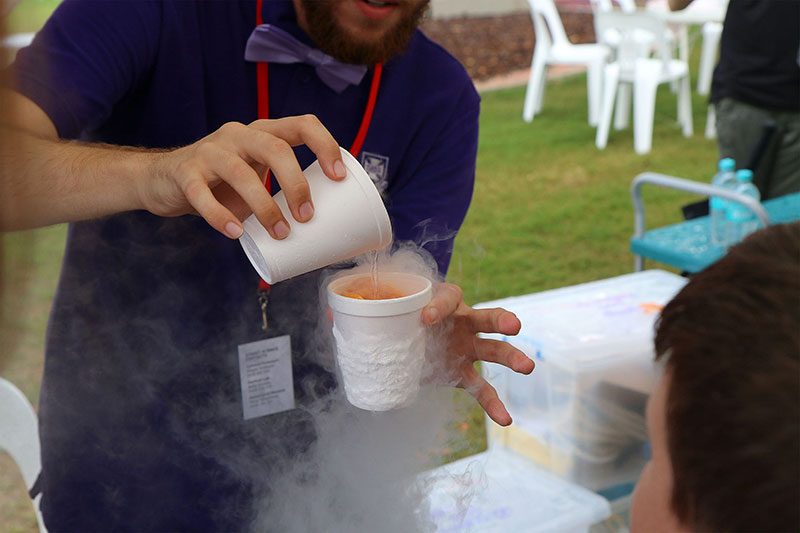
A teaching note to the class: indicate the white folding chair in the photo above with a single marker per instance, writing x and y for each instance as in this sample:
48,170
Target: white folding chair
554,48
19,436
612,37
646,45
712,34
644,74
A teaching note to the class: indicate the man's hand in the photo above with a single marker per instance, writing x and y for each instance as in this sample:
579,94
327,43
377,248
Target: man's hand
461,324
221,176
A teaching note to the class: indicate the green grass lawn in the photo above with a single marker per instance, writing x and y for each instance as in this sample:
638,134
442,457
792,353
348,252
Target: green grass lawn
549,210
29,271
29,15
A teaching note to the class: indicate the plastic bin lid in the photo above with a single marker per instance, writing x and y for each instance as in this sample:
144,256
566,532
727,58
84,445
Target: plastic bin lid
589,323
498,490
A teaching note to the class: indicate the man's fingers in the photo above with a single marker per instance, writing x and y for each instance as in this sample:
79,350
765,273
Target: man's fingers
308,130
446,299
244,180
269,143
503,353
276,153
495,320
220,218
486,395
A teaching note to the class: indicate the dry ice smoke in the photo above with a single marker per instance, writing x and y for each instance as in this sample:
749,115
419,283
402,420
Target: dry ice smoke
323,466
360,473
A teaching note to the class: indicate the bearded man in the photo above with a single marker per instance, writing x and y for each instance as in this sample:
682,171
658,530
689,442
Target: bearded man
141,417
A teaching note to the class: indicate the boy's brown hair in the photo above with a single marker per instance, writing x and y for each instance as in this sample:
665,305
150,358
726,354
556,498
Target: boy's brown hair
731,341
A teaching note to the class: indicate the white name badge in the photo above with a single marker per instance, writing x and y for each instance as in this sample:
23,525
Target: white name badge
265,368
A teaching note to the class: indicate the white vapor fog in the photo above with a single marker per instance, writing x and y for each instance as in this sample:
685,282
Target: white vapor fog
360,473
142,395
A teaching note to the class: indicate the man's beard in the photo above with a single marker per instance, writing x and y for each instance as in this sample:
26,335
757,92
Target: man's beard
329,37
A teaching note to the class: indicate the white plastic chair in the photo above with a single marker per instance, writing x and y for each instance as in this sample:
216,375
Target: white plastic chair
645,74
646,45
712,33
19,436
643,40
554,48
611,37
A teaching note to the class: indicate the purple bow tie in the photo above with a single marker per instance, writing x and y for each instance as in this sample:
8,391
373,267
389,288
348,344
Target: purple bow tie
271,44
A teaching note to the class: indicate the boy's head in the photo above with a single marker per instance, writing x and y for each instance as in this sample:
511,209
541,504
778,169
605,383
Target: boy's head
724,421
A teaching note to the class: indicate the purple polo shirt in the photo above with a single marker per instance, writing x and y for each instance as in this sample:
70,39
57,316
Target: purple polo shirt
140,411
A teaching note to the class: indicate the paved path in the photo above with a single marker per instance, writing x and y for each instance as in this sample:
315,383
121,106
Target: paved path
520,77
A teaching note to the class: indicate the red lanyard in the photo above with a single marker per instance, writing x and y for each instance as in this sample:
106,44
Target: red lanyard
262,75
262,80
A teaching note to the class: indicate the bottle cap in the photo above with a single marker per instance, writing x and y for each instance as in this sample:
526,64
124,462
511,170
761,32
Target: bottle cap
744,175
726,164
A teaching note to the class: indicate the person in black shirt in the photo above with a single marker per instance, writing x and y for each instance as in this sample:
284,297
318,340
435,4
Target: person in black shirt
757,83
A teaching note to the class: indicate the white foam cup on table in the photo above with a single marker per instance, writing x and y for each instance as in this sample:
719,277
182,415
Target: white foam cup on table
380,344
349,219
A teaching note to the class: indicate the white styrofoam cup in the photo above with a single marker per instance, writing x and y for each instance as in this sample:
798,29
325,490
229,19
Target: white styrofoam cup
380,344
349,219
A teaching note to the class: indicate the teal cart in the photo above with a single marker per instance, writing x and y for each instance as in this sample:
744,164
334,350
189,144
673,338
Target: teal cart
687,245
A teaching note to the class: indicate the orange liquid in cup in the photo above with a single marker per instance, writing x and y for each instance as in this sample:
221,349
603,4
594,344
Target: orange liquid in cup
364,288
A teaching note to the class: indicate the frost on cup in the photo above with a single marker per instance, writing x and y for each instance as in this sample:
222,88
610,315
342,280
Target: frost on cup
349,219
380,338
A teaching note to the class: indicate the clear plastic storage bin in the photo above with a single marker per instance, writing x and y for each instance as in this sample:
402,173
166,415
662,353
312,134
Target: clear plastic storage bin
498,491
581,412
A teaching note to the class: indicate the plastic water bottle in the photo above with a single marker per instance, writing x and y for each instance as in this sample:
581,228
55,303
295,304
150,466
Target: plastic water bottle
739,220
726,178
